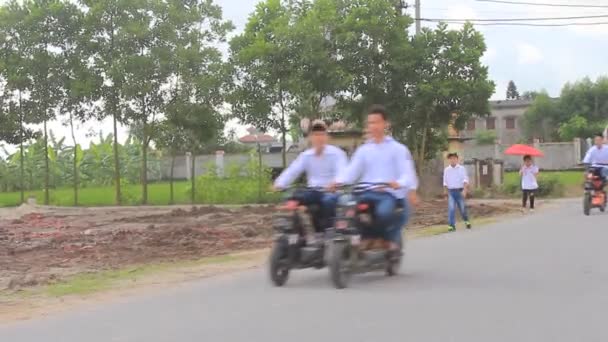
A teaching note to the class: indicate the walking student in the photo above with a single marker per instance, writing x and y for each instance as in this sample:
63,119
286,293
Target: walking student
456,183
529,184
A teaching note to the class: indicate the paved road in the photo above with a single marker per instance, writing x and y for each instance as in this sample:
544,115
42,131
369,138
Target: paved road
537,278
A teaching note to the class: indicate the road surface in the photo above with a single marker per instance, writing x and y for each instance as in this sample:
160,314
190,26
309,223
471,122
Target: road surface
542,277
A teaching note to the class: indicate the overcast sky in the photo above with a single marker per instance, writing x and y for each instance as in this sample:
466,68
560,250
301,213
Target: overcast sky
535,58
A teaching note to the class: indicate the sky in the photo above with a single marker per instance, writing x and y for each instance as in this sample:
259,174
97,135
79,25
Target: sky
534,58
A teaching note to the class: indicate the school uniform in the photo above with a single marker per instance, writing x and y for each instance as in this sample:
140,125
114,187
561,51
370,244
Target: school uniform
529,184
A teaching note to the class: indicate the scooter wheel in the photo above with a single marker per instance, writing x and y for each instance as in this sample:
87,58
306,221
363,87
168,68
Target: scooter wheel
339,264
587,204
279,265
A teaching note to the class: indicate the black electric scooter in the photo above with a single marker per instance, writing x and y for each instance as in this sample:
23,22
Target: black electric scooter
355,217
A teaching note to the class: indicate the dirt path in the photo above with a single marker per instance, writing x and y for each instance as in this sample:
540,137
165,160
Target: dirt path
42,245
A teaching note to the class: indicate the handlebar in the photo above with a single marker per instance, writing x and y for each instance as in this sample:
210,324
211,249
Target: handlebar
298,187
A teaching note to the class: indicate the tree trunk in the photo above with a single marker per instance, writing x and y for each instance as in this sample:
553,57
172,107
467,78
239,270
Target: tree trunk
76,176
116,160
171,194
144,163
283,133
21,152
422,150
46,165
193,179
259,173
114,103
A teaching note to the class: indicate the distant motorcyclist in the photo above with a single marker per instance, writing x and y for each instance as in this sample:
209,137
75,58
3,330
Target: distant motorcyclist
321,164
597,155
383,160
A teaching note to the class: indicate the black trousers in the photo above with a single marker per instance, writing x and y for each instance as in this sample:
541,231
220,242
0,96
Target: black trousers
528,194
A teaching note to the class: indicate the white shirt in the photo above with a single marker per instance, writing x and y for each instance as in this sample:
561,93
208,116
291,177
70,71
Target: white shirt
597,156
528,177
321,170
455,177
388,161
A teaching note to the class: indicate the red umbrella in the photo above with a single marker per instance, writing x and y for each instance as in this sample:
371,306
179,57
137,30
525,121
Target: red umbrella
523,150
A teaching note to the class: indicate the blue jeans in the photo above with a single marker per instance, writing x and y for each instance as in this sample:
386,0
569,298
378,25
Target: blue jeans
388,225
327,203
455,199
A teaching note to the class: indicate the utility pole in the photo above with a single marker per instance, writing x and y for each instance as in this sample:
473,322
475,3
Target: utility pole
417,11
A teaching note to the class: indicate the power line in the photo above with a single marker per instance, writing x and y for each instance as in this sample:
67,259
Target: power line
517,19
525,24
542,4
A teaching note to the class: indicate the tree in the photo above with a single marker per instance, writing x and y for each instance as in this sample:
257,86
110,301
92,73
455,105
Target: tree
376,56
147,69
580,111
530,95
450,86
319,76
540,120
110,44
79,83
44,67
199,75
14,71
264,70
512,93
174,140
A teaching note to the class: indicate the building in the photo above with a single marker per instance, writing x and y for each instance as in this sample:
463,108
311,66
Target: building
255,137
506,119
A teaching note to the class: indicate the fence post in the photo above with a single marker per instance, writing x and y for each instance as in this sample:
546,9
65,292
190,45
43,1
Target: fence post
259,173
219,163
188,165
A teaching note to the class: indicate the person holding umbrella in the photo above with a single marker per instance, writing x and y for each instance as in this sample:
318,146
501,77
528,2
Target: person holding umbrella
529,184
528,172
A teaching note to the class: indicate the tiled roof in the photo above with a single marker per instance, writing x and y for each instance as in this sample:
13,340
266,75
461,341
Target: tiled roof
263,138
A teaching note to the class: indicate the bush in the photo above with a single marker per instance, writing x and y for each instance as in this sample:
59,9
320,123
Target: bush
240,185
485,137
549,186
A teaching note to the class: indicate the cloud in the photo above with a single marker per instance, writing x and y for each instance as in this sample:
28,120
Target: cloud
528,54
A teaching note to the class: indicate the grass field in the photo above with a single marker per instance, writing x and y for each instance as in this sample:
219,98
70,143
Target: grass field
572,181
158,194
568,178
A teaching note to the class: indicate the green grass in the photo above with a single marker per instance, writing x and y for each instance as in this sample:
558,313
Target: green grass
568,178
158,194
88,283
570,182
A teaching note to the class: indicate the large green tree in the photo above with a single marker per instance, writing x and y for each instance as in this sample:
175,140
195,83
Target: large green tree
450,86
263,58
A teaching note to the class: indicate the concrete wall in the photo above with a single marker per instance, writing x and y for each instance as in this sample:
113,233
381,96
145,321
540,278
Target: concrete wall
558,156
183,163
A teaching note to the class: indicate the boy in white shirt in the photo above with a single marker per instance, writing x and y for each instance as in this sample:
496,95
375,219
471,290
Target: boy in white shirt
529,184
455,183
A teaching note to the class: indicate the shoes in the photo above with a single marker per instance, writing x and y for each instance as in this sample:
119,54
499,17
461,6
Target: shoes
451,228
468,224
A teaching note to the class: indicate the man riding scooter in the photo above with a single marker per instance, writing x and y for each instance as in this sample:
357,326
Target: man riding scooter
597,155
383,160
596,161
321,164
